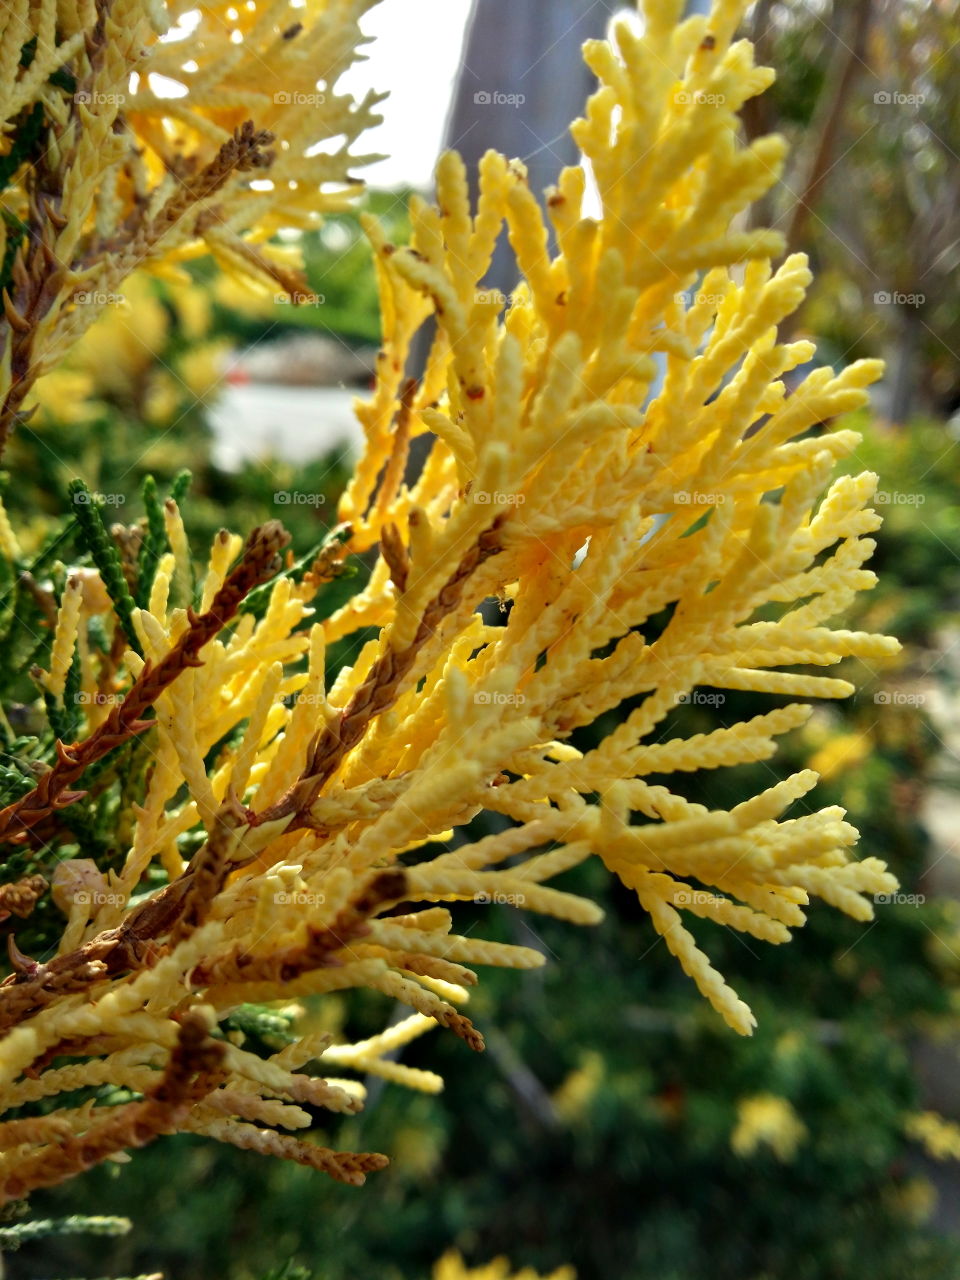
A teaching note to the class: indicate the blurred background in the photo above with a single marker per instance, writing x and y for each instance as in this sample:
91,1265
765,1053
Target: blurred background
613,1123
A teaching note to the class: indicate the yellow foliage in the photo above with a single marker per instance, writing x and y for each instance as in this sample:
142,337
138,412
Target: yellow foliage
152,157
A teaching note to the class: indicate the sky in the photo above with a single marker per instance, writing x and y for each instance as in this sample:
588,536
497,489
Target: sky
415,58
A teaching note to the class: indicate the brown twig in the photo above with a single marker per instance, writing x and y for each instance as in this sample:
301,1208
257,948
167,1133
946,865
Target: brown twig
36,280
379,690
399,449
260,561
320,948
243,151
210,868
344,1166
396,556
194,1069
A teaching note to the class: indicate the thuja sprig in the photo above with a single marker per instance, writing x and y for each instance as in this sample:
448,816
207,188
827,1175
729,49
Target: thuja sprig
271,1026
322,563
259,562
154,542
21,1233
181,483
102,550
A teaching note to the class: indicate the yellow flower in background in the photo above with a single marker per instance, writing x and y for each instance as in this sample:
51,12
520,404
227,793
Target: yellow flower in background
201,369
939,1137
161,399
841,754
65,397
123,345
246,297
452,1267
765,1120
580,1087
192,305
917,1199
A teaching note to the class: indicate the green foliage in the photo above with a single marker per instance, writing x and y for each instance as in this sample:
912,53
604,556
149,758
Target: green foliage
154,542
918,548
21,1233
339,269
102,550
